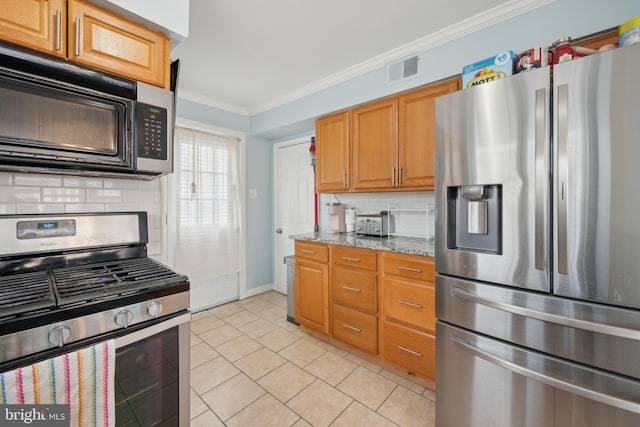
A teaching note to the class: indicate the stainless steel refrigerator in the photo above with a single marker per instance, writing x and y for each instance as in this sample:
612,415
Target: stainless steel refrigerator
538,247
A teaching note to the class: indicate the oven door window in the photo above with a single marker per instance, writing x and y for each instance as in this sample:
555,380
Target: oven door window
147,386
46,122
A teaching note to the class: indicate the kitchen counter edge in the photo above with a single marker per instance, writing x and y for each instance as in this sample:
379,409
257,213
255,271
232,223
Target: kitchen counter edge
400,244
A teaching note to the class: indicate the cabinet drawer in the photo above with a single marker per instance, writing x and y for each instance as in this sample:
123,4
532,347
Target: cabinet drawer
355,328
413,350
354,257
410,302
409,266
312,251
357,289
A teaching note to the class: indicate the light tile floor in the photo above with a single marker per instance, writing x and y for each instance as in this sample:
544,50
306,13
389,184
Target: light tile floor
250,367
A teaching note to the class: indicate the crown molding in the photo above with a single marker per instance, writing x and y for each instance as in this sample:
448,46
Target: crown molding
188,95
478,22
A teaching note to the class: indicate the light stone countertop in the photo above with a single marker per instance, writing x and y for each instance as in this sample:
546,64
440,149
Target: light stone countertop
401,244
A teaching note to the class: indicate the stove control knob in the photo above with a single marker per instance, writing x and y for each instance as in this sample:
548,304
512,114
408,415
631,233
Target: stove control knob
59,335
154,309
123,318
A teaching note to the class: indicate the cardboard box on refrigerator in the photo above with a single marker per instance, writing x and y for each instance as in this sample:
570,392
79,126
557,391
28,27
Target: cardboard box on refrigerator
487,70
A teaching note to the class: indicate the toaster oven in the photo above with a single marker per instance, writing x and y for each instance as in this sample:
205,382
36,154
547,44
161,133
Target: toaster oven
380,224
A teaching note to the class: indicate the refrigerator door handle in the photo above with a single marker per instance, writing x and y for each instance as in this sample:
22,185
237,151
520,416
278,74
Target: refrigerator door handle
563,176
547,316
546,379
540,171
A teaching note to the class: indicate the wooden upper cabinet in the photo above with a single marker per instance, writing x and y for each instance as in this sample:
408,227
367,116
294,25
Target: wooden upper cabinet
332,153
416,138
374,139
391,146
107,41
37,24
87,34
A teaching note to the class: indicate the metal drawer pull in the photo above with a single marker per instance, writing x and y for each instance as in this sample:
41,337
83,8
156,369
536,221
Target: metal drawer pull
410,304
58,30
346,258
415,353
307,251
413,270
77,36
349,288
353,328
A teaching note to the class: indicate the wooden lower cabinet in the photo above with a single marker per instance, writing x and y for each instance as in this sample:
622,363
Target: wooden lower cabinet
355,328
356,289
312,286
408,313
413,350
380,303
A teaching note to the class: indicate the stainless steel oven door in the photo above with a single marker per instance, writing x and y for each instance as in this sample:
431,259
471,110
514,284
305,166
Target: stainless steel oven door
152,375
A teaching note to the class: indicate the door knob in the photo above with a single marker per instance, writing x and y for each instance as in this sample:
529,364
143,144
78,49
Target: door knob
279,230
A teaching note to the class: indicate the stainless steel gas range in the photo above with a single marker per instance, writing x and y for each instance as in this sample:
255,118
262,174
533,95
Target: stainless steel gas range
71,281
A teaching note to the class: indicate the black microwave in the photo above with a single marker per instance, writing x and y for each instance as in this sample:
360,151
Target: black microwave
60,117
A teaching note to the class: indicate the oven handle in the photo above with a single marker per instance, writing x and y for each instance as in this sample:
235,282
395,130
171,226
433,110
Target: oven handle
152,330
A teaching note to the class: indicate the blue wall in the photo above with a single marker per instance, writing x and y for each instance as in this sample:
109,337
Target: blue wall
541,26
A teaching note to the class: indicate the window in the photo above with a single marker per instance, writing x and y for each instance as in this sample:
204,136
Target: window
206,186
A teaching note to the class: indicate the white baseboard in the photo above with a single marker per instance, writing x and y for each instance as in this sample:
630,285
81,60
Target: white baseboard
256,291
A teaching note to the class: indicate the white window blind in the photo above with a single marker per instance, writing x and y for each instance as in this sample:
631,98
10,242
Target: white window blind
208,212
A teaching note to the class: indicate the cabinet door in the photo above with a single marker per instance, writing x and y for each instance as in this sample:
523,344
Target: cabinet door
312,295
332,153
374,145
40,25
107,41
416,145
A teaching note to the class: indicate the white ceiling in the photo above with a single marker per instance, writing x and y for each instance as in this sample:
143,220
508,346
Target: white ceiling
248,56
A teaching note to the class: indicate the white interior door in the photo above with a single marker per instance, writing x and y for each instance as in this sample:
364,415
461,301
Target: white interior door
294,207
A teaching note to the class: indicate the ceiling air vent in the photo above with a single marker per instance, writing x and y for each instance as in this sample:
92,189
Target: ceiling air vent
404,69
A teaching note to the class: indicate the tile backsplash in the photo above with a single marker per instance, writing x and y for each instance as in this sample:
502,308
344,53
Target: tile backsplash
413,211
22,193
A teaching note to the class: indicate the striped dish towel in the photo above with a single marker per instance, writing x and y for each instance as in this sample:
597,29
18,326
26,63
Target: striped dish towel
82,379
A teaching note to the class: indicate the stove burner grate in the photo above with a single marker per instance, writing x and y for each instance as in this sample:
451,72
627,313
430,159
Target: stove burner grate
25,292
100,280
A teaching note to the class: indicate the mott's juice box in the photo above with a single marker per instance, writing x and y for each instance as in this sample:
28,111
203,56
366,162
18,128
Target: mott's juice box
487,70
630,32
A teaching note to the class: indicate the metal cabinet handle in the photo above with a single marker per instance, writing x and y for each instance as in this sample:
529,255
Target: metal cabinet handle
547,317
408,350
346,258
58,29
413,270
553,382
563,176
353,328
393,176
349,288
344,179
410,304
540,177
77,36
400,177
307,251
